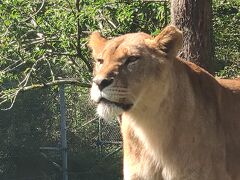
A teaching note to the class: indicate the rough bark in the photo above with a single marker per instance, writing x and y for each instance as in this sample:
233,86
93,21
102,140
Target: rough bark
194,18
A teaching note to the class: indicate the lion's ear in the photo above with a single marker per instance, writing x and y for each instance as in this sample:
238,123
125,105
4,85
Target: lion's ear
96,43
169,40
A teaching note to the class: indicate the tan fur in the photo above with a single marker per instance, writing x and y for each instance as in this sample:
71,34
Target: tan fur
183,123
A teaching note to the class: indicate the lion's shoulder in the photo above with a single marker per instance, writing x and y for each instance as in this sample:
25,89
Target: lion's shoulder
231,84
194,68
199,73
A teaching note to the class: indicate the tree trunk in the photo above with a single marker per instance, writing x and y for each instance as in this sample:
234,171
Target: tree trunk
194,18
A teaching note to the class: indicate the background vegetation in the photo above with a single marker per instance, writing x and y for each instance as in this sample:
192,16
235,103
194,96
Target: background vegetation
227,38
43,43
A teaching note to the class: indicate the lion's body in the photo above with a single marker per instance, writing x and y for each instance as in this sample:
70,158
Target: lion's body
178,122
199,128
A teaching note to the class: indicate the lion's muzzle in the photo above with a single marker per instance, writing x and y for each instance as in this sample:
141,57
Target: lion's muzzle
102,82
105,91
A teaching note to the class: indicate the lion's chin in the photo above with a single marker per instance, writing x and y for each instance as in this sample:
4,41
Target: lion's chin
109,110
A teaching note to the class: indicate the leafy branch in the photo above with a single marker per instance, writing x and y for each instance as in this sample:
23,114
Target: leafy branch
35,13
79,32
12,95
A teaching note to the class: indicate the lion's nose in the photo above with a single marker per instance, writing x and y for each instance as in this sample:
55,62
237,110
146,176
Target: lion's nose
102,82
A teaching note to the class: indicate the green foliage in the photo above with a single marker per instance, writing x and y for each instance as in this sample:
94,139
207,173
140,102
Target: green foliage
227,39
119,18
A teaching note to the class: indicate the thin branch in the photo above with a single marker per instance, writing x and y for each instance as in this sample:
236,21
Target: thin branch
51,71
103,18
34,14
13,96
71,8
2,102
11,65
39,40
6,32
7,28
74,62
79,31
25,80
113,25
88,122
69,55
13,101
12,68
71,81
61,54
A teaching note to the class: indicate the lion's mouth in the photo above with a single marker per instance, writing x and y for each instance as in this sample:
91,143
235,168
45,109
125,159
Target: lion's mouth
125,107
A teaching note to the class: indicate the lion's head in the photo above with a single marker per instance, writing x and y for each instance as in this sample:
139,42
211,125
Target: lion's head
126,65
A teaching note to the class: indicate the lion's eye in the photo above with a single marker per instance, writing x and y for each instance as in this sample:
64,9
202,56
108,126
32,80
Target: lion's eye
131,59
99,61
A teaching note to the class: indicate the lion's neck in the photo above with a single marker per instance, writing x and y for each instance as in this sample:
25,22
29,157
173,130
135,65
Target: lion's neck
158,99
151,118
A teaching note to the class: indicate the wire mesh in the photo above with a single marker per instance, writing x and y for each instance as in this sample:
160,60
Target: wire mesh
110,131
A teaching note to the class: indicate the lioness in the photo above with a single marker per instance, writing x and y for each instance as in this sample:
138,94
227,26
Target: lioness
178,122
